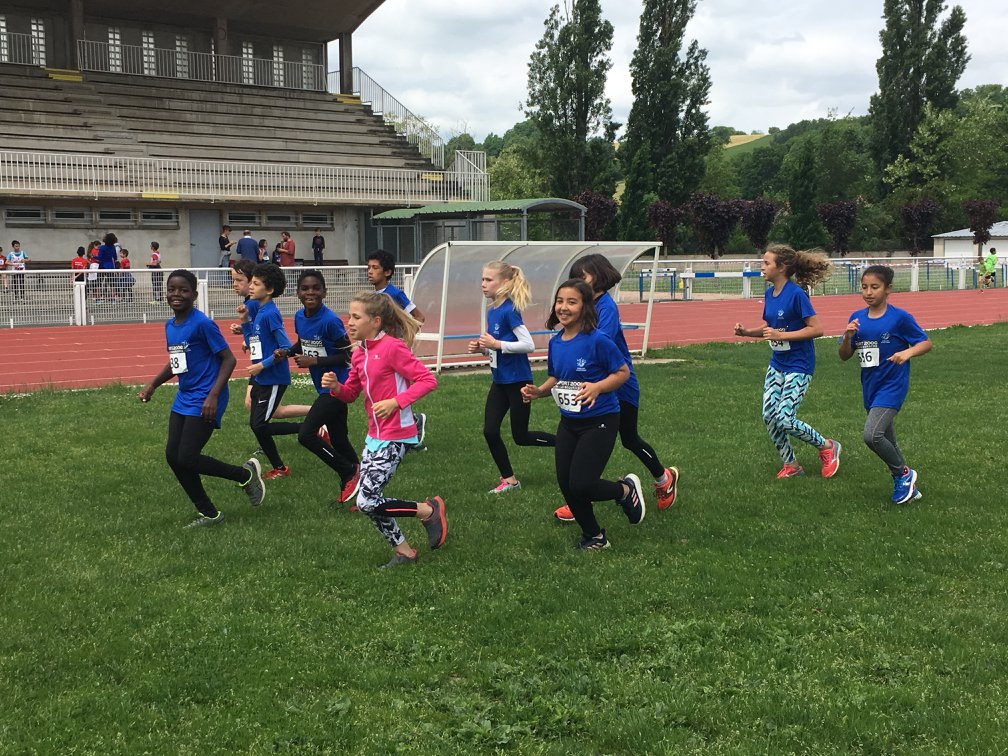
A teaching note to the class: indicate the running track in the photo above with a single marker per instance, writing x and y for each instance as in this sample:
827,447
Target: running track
88,356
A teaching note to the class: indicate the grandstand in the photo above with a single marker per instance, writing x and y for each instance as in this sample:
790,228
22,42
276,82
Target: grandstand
157,131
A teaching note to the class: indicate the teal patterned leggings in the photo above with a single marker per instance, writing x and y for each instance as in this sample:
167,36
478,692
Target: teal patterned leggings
782,395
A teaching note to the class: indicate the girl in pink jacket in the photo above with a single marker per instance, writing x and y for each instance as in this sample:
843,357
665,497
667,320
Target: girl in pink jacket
392,378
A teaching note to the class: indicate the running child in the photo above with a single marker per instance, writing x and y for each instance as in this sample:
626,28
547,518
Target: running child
599,273
790,324
380,268
323,346
585,369
271,376
203,362
507,342
392,378
885,339
157,277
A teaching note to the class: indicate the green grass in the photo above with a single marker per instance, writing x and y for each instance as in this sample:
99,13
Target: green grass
758,616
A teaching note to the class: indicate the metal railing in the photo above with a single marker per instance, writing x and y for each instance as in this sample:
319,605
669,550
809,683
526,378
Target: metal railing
27,173
22,49
416,130
199,66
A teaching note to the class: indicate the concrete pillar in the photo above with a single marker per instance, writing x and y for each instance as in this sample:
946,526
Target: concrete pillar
346,63
75,32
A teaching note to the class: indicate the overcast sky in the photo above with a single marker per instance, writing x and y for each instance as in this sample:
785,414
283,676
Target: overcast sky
463,64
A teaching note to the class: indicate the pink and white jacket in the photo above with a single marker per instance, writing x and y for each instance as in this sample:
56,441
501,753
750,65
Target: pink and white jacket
385,368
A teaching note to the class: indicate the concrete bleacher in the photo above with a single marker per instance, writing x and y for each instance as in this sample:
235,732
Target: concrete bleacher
133,116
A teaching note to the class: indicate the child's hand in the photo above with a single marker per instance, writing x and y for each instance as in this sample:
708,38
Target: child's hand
474,346
530,392
851,329
255,369
303,360
236,328
146,393
588,394
279,354
773,334
330,381
245,348
900,357
740,329
209,411
385,408
487,341
242,309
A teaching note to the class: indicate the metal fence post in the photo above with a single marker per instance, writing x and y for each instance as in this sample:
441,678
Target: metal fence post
915,277
746,283
962,276
80,303
202,295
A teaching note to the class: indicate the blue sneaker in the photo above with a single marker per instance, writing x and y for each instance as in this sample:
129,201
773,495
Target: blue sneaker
904,486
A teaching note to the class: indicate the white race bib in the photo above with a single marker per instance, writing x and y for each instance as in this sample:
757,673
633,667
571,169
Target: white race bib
868,356
493,358
564,393
780,346
255,348
177,360
313,349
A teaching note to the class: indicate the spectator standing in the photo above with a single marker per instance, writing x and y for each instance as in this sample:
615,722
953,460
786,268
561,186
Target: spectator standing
3,276
225,245
157,277
107,260
126,279
91,286
16,260
318,246
264,255
286,249
247,248
79,263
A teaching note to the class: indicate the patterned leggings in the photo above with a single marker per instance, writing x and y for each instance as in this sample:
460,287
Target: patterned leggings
782,395
377,469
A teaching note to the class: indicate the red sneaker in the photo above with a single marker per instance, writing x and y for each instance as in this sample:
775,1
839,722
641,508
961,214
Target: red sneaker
323,433
564,514
830,457
277,472
791,470
351,488
666,492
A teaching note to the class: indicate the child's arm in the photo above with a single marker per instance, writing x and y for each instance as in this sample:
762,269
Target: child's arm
921,347
345,392
422,380
523,345
846,348
162,377
416,314
753,333
590,391
812,330
227,366
530,391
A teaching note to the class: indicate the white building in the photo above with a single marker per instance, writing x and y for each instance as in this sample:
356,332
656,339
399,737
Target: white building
960,244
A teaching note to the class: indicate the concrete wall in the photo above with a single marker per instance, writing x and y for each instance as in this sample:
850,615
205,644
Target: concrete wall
966,247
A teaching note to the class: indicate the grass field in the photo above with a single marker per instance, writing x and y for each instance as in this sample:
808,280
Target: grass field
757,616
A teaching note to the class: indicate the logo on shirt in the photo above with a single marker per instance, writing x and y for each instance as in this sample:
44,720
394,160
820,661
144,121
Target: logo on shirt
780,313
496,328
885,337
868,344
581,362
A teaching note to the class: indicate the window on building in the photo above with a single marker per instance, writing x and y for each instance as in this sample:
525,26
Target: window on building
38,41
248,63
4,41
279,219
160,217
149,54
308,71
243,219
24,216
279,80
181,56
70,216
119,216
115,52
316,220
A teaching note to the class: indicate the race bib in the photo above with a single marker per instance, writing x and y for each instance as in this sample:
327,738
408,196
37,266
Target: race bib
868,354
313,349
177,360
255,348
780,346
564,394
493,358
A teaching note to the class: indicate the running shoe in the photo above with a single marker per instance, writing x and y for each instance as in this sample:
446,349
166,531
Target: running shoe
904,486
277,472
594,543
323,433
436,525
504,486
830,457
564,514
633,503
666,492
254,487
202,521
400,559
790,470
351,488
421,429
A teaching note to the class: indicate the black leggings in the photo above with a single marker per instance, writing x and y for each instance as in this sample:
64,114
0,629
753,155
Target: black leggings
583,447
332,413
186,438
265,400
501,399
631,440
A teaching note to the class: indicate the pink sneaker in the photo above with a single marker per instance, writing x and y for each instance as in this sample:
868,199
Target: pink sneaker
790,470
504,486
564,514
830,457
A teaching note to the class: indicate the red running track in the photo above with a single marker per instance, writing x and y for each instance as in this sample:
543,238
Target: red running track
89,356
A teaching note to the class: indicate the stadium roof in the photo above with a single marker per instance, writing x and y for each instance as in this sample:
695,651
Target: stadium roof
998,231
456,209
308,20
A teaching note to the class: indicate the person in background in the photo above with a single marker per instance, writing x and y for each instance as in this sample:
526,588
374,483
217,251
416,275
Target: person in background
157,277
988,268
17,259
126,279
247,248
79,263
4,278
318,246
225,245
286,250
264,255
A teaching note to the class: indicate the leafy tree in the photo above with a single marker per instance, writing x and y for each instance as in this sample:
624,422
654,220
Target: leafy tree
667,137
492,145
720,176
665,219
566,92
981,214
757,218
713,220
758,171
723,134
804,229
844,167
512,176
600,212
923,56
839,219
918,220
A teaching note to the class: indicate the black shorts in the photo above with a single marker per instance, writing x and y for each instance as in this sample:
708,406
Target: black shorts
264,400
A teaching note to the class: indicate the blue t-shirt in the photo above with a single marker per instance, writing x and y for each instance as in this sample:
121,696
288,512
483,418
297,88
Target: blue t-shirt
399,297
193,346
323,335
609,324
787,312
884,383
253,309
507,367
268,331
587,358
106,257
